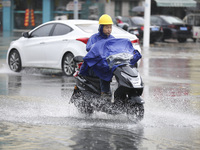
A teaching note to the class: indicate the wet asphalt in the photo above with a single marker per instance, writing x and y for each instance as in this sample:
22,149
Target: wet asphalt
35,109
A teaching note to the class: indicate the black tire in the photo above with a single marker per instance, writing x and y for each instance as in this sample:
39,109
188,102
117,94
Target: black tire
82,105
152,41
162,39
68,65
182,40
14,61
79,100
86,108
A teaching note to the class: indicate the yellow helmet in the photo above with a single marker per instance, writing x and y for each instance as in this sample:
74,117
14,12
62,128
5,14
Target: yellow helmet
105,19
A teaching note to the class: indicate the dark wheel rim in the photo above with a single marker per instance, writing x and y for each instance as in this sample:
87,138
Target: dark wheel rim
68,64
15,61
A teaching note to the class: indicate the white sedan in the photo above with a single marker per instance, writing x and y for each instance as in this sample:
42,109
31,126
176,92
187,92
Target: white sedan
55,43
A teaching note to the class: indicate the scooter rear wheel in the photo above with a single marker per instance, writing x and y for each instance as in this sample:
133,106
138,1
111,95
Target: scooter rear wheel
85,107
78,98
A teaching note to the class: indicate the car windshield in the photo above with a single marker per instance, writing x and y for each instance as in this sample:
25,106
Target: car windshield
120,58
93,28
172,20
138,20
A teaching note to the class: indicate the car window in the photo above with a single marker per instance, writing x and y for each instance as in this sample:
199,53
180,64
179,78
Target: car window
61,29
156,21
89,28
93,28
137,20
117,30
171,19
42,31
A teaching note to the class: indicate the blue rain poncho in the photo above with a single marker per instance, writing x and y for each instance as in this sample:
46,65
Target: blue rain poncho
100,57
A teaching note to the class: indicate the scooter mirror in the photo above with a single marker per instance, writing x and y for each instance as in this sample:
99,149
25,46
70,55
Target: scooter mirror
78,59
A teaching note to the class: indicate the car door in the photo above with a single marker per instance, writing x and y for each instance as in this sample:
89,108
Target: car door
34,46
55,45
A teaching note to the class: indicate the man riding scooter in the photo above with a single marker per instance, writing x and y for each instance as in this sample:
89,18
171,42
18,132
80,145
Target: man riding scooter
105,29
108,56
104,74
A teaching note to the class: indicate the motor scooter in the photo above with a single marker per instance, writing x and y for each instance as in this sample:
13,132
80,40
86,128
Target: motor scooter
126,97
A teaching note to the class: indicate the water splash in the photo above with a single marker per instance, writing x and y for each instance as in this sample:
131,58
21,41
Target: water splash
4,68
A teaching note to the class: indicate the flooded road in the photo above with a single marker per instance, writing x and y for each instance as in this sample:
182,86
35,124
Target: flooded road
35,112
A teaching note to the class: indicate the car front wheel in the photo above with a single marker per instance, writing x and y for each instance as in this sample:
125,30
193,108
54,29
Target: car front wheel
68,65
14,61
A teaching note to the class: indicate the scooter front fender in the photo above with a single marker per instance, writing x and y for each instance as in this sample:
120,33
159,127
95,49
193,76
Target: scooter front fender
136,100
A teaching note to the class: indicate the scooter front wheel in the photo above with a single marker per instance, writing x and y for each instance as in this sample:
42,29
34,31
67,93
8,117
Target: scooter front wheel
135,112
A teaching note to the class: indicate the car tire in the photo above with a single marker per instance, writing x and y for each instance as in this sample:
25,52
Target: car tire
152,41
162,39
14,61
182,40
68,65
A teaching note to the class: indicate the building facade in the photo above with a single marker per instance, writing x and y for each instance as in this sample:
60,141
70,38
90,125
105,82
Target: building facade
27,14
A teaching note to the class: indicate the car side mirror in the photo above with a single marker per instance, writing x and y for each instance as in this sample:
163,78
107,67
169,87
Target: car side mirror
25,34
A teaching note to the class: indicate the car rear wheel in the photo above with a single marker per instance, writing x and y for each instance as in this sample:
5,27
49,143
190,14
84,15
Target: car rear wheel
152,41
181,40
14,61
68,65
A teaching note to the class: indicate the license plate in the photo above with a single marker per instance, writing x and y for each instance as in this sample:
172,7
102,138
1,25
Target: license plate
183,28
155,29
136,32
